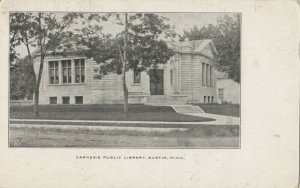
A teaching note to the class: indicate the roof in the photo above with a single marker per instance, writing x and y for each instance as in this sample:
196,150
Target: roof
195,46
73,49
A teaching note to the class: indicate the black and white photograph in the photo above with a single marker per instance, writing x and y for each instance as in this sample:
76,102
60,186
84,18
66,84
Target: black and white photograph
164,94
125,79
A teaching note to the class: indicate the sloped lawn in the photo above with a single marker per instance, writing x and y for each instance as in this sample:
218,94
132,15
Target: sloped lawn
222,109
103,112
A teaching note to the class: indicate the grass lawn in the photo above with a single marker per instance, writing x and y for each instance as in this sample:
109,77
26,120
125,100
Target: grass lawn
201,136
103,112
222,109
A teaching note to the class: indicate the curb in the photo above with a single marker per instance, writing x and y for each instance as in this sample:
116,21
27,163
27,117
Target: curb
110,122
74,127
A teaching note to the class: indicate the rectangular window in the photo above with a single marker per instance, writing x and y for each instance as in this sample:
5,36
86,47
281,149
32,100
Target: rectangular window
171,77
210,75
66,67
79,100
221,94
66,100
212,99
207,74
208,99
204,99
53,100
203,74
79,71
136,77
53,72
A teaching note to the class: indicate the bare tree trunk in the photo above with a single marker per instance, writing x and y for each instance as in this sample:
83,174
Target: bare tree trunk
36,102
39,77
37,87
125,90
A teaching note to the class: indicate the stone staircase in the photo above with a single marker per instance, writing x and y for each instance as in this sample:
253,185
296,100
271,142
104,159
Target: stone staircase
162,100
187,109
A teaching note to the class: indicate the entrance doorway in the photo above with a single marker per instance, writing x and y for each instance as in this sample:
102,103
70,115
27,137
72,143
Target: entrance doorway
156,81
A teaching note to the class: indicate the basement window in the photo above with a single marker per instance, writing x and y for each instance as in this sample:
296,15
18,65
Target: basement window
53,100
79,100
66,100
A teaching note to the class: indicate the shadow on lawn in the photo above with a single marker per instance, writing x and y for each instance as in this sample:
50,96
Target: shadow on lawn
103,112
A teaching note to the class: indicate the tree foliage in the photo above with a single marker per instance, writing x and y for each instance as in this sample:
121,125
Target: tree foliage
145,46
43,31
21,80
226,37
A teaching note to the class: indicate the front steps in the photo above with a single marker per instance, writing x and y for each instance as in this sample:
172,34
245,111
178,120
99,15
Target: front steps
162,100
187,109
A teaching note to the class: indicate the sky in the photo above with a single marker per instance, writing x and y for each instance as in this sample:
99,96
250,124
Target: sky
181,22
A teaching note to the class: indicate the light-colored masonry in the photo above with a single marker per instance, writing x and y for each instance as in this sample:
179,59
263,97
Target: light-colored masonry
188,77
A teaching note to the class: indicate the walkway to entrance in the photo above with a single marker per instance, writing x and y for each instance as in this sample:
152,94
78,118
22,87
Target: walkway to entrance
197,111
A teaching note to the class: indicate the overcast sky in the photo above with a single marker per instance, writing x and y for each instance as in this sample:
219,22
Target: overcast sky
181,21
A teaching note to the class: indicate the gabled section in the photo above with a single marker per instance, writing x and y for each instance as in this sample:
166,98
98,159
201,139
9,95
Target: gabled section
207,48
204,47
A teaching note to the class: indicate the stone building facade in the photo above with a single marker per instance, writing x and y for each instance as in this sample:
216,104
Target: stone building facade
188,77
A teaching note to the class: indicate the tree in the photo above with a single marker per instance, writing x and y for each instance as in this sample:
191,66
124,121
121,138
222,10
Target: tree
41,30
21,80
226,37
138,46
22,77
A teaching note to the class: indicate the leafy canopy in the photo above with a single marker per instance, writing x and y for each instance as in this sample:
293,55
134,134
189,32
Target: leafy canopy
226,37
145,46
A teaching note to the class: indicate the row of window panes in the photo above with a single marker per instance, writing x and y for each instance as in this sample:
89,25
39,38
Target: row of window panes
67,74
67,71
208,99
207,72
66,100
79,71
54,75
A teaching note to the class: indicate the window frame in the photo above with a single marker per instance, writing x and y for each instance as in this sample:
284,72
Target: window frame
203,74
68,68
171,76
63,97
81,68
207,74
221,92
76,97
210,75
137,74
50,101
55,70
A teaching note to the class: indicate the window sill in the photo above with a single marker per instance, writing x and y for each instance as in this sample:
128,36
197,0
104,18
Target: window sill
136,84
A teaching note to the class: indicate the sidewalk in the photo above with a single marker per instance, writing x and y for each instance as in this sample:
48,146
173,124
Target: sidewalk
197,111
219,119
